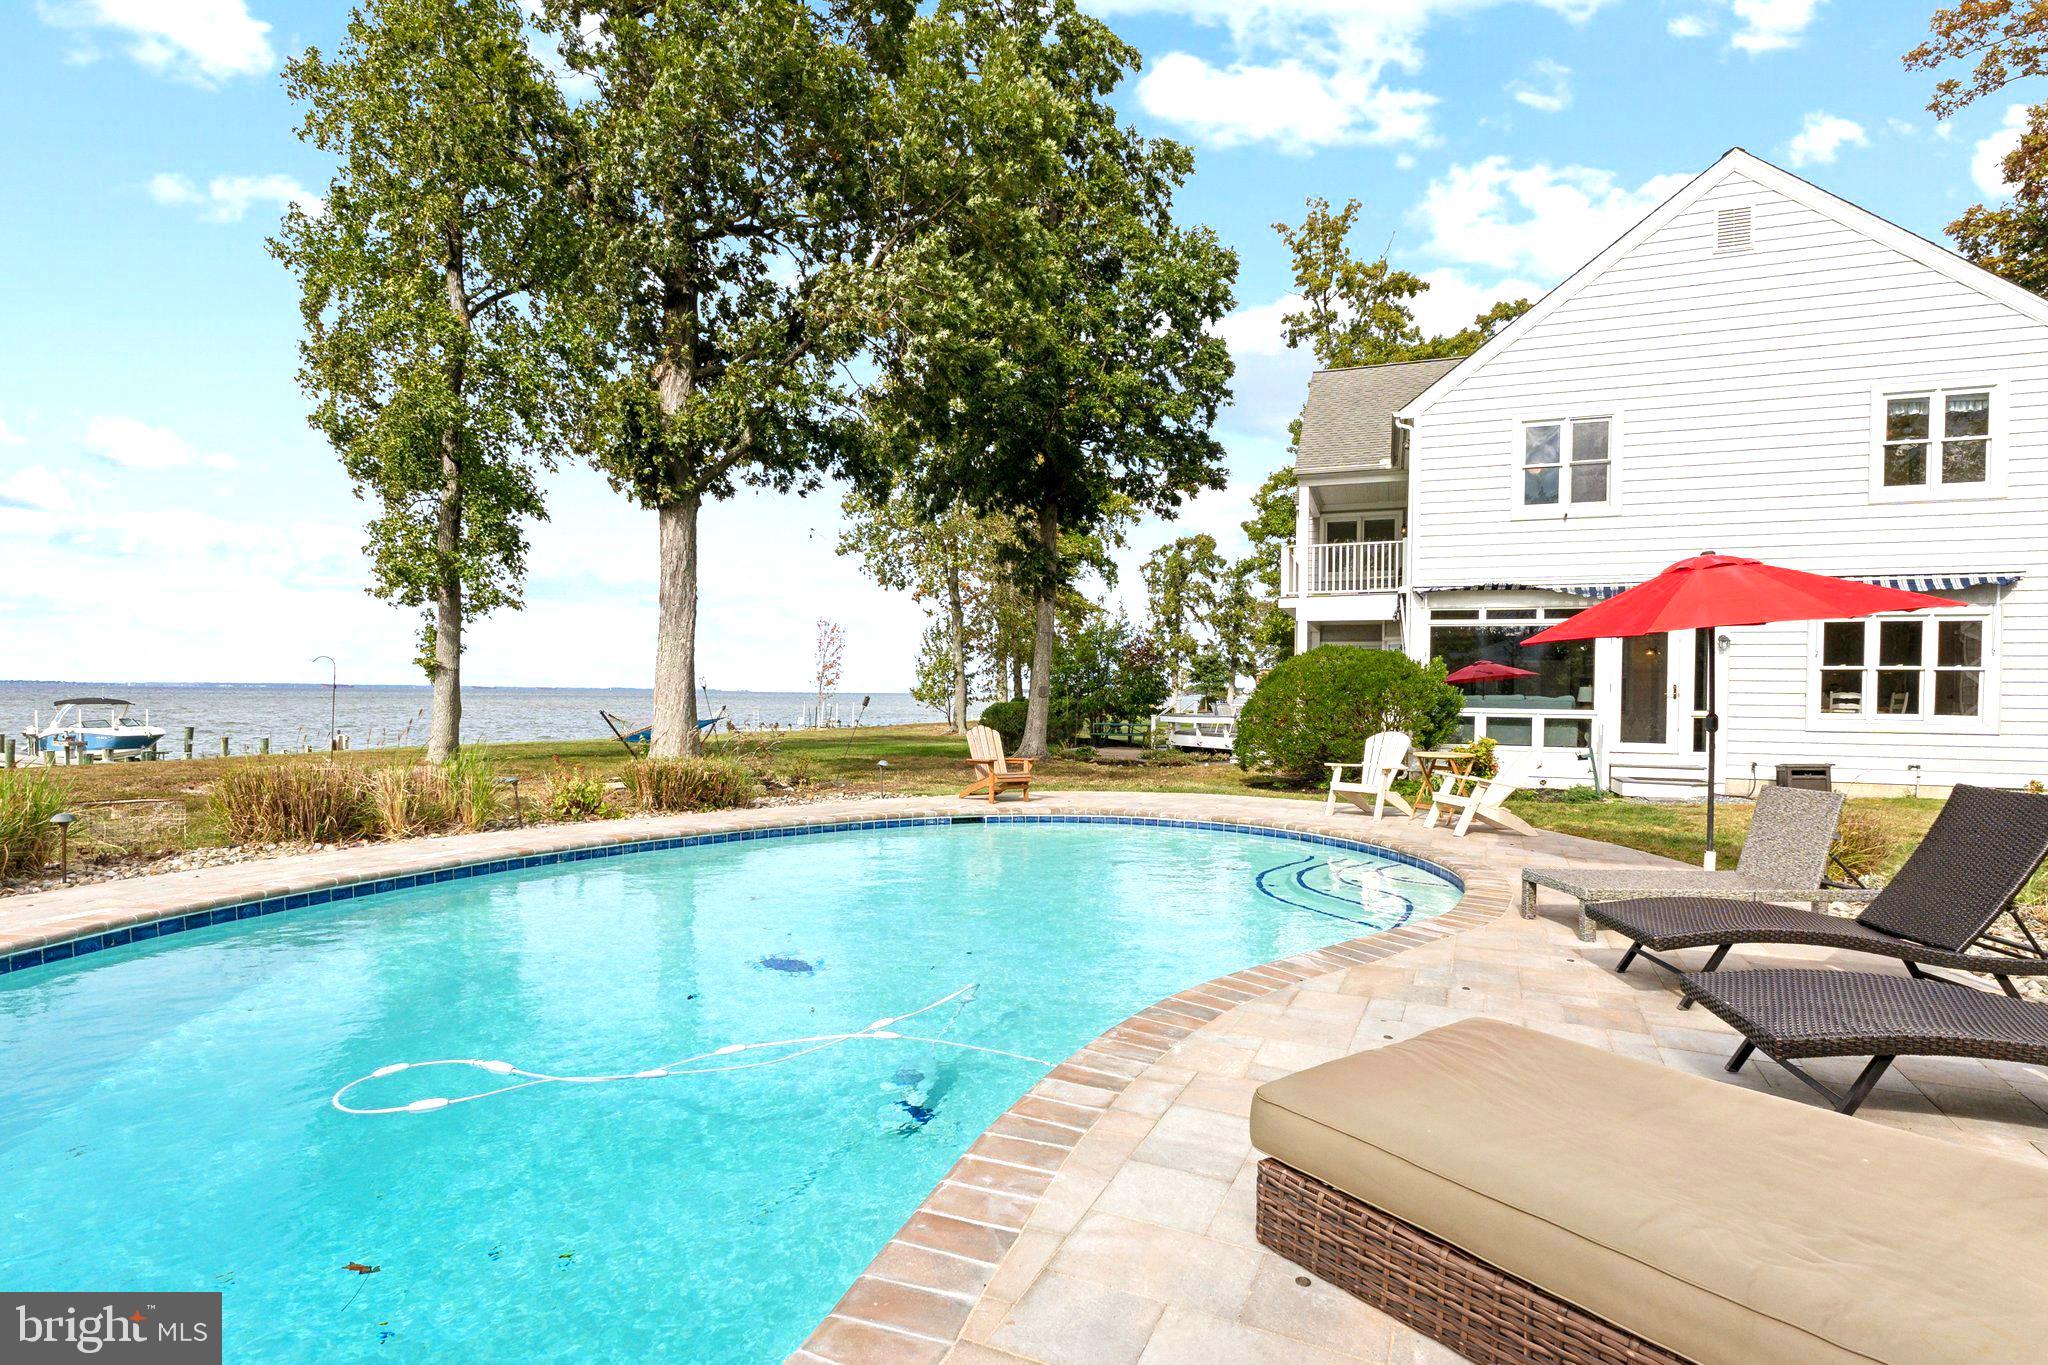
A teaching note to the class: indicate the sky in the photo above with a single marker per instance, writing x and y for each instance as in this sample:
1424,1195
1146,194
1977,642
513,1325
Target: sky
167,515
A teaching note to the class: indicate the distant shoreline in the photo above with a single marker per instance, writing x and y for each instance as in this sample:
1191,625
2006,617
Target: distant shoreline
838,692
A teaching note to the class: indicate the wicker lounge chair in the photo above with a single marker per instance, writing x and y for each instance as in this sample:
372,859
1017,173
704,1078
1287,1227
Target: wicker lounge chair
1939,911
1446,1180
1792,1014
1784,858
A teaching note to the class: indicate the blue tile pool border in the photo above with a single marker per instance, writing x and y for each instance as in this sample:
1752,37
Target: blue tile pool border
144,930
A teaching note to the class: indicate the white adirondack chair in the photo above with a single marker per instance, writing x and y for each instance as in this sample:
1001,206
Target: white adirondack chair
1385,755
1482,798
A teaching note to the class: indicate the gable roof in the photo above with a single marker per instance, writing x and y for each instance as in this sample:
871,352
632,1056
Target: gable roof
1736,161
1348,421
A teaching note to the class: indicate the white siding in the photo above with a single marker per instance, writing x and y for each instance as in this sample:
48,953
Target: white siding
1743,384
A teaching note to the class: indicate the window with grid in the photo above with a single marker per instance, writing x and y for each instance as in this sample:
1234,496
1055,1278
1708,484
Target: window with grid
1567,463
1907,668
1937,439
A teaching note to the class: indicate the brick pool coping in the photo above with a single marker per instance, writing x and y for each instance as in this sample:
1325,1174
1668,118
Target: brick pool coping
913,1299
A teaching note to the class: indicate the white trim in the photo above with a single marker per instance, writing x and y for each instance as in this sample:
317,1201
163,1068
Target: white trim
1993,483
1735,161
1564,509
1985,722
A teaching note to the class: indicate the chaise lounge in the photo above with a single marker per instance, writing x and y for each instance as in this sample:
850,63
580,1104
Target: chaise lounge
1937,912
1520,1197
1784,858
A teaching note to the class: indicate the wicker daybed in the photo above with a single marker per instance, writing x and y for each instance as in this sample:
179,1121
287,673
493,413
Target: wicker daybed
1519,1197
1939,911
1784,858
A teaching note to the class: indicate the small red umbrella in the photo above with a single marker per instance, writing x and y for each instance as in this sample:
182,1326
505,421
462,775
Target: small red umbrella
1486,670
1709,591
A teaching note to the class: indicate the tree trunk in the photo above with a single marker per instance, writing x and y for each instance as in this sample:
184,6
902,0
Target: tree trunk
675,640
1016,678
958,621
444,732
1045,588
675,643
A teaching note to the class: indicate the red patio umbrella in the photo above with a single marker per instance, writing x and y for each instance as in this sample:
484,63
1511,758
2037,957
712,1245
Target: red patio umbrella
1709,591
1486,670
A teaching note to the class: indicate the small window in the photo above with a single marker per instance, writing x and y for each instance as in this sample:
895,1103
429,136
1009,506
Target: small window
1567,463
1907,668
1937,440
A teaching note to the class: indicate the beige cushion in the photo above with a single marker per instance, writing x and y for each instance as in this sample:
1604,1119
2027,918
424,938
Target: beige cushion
1720,1223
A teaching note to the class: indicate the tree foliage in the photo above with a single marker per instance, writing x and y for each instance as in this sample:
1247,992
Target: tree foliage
1182,581
2008,40
425,355
1050,341
1360,311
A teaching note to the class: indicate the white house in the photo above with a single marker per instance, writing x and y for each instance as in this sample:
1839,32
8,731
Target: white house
1757,368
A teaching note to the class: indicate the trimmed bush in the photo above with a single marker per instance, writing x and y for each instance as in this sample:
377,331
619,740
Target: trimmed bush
1320,707
27,838
313,803
686,784
1006,718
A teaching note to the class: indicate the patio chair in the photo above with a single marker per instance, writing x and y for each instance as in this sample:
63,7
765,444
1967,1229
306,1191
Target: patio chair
993,773
1445,1179
1482,798
1937,912
1385,755
1791,1015
1784,858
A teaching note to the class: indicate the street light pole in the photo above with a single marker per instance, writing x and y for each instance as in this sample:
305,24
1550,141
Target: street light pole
333,680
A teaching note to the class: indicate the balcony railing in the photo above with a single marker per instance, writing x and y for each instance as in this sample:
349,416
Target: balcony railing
1352,567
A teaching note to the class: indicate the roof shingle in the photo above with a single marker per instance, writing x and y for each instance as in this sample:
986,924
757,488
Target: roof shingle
1348,421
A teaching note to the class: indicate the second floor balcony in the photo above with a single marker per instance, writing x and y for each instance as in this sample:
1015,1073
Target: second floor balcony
1340,568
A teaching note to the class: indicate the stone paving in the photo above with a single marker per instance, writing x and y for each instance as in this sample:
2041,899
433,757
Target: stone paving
1108,1216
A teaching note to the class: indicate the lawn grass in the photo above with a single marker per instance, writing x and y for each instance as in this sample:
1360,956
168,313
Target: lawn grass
924,760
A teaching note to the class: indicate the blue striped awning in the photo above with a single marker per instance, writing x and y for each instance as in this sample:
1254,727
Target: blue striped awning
1953,582
1600,592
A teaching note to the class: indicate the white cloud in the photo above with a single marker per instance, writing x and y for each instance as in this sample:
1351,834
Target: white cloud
1454,299
1547,88
1821,138
34,489
1769,25
132,444
1292,106
1688,26
1256,329
203,41
1541,220
1987,163
228,198
1305,73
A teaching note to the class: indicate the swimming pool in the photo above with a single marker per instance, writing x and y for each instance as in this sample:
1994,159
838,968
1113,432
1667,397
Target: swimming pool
166,1115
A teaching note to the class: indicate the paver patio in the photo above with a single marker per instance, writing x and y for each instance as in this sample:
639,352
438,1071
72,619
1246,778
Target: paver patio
1108,1216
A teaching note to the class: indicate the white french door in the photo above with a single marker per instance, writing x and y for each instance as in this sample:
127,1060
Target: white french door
1660,687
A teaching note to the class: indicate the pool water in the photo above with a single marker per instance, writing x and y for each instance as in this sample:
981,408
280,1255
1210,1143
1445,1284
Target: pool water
165,1115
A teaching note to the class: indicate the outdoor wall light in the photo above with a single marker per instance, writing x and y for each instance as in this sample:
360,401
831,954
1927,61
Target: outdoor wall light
518,815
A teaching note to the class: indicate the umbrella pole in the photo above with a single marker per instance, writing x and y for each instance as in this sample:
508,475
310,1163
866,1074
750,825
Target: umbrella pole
1705,640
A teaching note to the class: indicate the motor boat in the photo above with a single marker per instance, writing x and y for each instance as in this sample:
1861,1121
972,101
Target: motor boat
77,732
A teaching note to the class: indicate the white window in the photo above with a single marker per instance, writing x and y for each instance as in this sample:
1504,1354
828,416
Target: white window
1904,668
1566,463
1939,442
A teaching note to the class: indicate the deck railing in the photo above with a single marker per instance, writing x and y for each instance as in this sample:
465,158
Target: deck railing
1350,567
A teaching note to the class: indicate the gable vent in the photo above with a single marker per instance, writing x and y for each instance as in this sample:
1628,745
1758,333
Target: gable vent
1731,230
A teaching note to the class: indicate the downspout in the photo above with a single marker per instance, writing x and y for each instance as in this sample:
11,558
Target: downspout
1408,601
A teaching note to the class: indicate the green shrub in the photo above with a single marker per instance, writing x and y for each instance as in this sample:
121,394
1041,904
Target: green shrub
313,803
27,838
1063,721
1320,707
799,770
1006,718
473,780
568,793
1485,756
685,784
